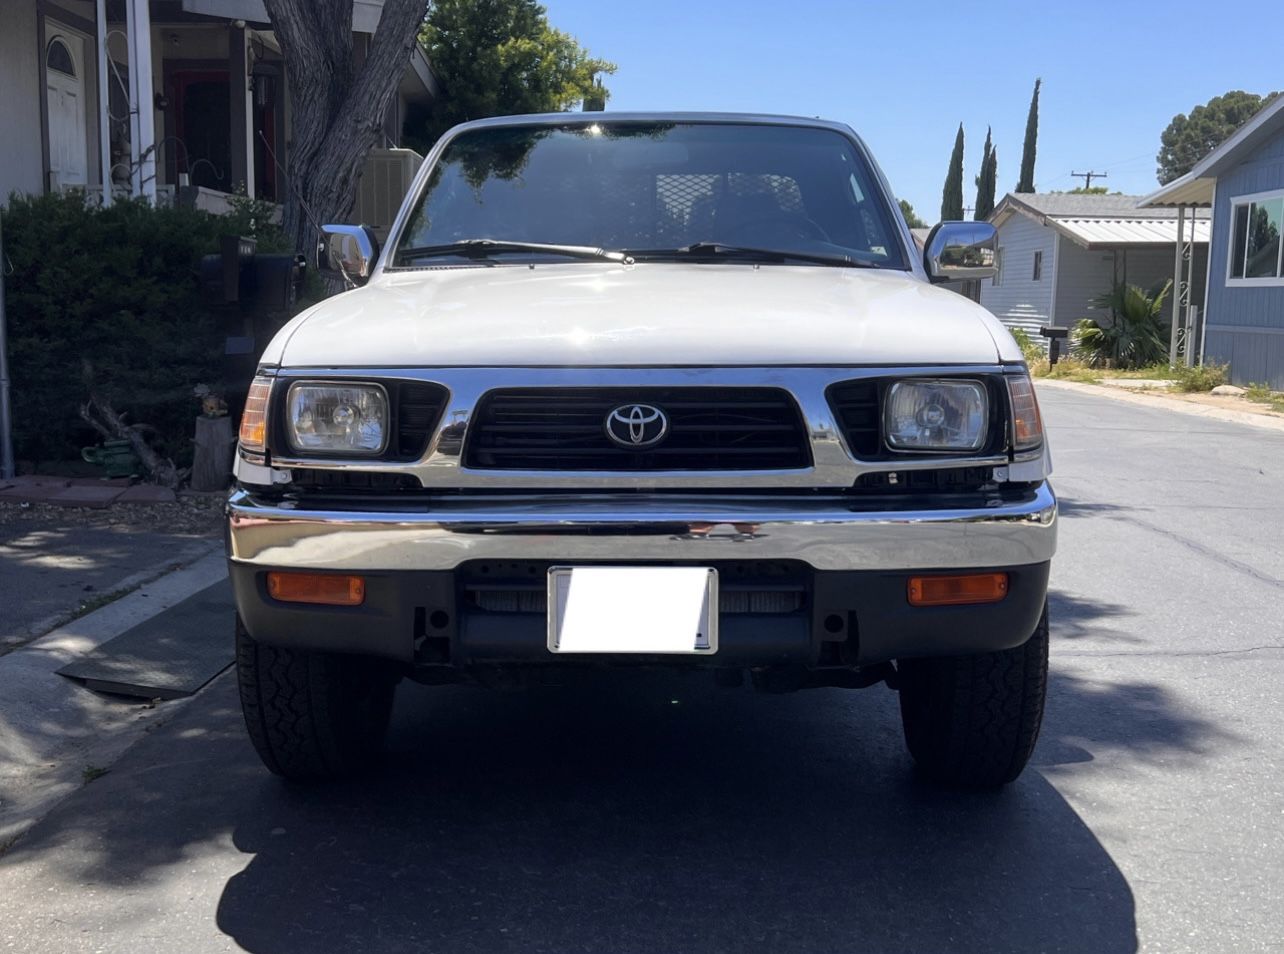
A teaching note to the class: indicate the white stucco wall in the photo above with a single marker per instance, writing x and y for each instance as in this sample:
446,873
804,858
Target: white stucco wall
21,159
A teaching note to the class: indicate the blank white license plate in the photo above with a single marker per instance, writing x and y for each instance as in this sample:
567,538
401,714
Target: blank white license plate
633,609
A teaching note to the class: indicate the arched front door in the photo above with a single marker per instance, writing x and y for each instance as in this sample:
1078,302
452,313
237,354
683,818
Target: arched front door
65,85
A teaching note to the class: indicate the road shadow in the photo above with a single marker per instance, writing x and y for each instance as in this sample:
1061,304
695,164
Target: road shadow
668,816
1074,617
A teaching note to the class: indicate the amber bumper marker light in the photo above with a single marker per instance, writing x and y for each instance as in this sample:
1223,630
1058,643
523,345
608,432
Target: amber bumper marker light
957,590
327,589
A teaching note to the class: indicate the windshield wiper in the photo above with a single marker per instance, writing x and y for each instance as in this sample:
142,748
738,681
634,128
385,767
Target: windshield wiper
752,253
484,248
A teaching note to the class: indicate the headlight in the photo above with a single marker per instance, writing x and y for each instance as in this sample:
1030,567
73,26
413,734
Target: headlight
936,416
1027,422
333,418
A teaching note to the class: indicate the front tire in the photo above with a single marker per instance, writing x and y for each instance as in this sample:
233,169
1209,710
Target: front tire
972,721
313,715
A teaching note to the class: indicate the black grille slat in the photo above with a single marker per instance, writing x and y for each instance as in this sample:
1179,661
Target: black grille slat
858,408
709,429
419,408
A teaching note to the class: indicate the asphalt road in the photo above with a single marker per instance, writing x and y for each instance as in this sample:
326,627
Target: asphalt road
665,815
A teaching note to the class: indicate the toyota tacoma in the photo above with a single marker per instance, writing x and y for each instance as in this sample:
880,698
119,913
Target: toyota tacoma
660,390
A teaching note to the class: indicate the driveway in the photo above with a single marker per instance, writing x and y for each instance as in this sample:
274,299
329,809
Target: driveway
662,814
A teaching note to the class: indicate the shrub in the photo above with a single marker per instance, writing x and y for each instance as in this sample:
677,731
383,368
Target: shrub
1201,377
1135,333
115,289
1032,350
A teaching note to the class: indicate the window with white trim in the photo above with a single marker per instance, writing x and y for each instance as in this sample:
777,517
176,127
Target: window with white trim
1038,265
997,278
1256,249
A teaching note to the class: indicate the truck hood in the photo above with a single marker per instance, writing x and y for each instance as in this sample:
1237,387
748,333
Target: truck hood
603,314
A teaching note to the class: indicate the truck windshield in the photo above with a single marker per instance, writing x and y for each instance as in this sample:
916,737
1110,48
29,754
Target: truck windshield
696,191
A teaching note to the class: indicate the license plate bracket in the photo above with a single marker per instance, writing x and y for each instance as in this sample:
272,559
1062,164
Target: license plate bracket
641,610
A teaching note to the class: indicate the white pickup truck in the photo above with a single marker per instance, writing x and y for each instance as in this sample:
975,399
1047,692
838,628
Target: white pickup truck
647,390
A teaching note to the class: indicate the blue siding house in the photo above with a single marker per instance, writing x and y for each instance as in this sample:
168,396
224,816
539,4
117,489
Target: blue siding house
1243,181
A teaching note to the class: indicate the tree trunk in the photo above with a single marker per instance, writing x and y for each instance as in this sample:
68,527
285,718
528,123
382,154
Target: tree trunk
212,460
337,109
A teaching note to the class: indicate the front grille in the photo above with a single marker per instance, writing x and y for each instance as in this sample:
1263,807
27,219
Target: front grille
950,480
709,429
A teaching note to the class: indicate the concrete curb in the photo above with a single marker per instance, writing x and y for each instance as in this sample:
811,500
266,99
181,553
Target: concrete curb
180,560
1149,398
52,730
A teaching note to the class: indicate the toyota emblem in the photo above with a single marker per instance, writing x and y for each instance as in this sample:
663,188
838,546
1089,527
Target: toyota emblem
637,425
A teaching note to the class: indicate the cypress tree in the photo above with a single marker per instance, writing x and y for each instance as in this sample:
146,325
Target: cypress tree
952,195
1026,182
985,182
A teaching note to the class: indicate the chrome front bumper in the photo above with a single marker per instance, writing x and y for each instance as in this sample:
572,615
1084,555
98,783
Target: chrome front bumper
828,533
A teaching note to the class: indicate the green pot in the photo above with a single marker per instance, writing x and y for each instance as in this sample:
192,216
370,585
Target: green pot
116,458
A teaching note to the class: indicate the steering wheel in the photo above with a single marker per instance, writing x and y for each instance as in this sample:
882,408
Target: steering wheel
800,226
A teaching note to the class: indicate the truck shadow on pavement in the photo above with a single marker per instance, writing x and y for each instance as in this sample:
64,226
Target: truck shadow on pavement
671,816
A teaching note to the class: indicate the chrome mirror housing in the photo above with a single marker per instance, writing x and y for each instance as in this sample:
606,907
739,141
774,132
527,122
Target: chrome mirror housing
956,251
347,252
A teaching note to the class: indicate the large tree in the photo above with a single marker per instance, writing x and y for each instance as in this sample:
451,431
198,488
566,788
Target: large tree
1189,139
501,57
337,107
952,194
1026,182
986,181
911,217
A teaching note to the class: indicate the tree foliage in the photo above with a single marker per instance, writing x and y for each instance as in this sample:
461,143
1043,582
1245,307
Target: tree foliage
952,194
337,108
502,57
1028,149
1189,139
911,217
986,181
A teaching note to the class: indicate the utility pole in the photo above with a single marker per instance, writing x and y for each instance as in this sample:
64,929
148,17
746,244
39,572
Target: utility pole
6,410
1087,177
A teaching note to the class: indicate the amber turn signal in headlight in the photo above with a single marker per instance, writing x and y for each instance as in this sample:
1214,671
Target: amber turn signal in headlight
957,590
327,589
1027,422
254,418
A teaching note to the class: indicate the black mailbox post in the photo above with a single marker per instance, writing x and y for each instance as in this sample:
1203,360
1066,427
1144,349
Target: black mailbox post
1055,336
257,292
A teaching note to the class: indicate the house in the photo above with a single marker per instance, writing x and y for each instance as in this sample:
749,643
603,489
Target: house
215,101
1059,251
1242,182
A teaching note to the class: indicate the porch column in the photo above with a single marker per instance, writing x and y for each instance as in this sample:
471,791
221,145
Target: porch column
104,100
142,145
239,141
1175,291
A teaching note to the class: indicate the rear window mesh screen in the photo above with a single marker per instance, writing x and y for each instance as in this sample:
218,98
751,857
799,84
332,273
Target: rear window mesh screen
687,204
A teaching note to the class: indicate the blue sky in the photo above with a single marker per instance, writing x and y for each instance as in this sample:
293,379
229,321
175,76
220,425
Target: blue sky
904,75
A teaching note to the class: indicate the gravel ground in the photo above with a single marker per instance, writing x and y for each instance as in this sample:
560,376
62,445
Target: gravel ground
190,515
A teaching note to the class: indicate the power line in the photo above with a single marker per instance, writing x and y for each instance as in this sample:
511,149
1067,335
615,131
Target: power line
1087,177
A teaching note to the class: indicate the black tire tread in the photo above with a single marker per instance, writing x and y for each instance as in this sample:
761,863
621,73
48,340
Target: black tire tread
973,721
312,715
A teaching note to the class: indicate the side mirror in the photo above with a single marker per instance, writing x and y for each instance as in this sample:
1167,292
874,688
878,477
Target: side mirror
347,252
956,251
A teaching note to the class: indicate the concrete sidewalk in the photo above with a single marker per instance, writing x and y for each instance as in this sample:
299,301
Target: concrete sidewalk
56,735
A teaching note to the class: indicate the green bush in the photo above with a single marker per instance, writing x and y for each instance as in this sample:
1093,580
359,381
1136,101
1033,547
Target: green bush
1030,349
1200,377
117,290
